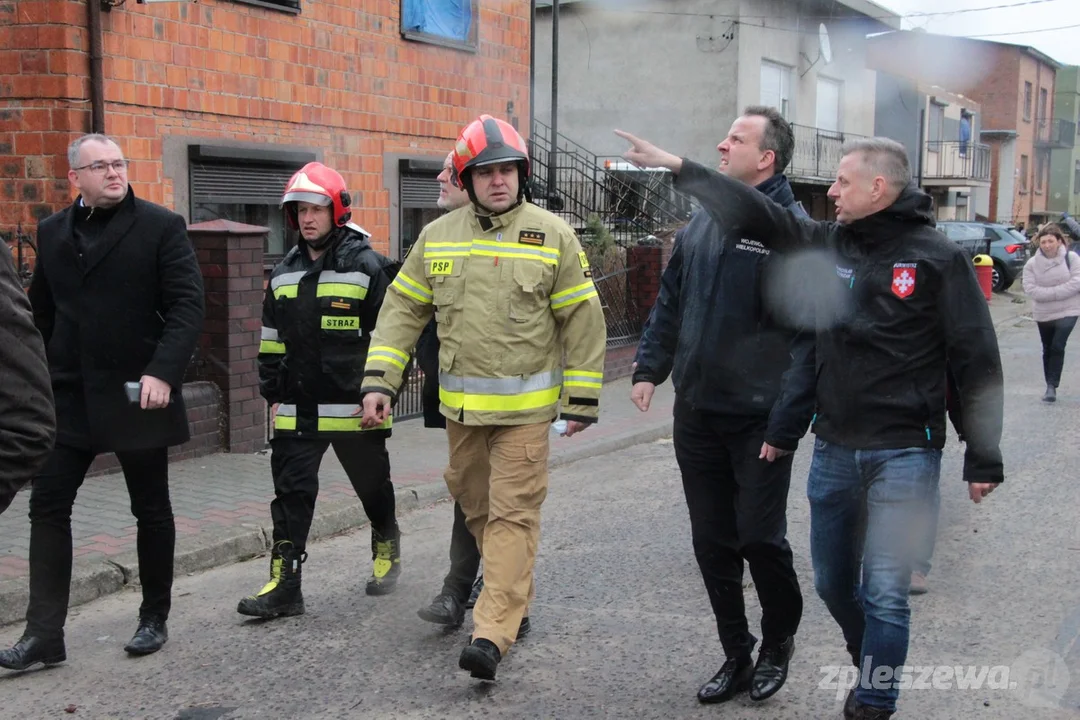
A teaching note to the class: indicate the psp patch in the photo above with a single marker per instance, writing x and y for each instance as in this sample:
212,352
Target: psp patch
583,259
531,237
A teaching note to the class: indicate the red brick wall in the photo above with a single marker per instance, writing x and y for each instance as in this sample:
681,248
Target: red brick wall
337,77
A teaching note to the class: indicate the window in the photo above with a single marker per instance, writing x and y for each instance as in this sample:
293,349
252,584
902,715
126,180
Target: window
289,6
1023,173
828,104
443,22
419,197
935,131
1040,170
1027,101
1042,105
244,185
776,87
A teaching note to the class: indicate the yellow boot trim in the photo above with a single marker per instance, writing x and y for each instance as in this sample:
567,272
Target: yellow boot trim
276,566
384,552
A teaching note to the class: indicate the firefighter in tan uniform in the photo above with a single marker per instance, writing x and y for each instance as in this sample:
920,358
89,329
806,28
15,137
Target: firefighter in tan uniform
511,291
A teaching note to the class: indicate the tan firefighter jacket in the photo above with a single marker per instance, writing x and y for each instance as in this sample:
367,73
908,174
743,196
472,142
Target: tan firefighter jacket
510,294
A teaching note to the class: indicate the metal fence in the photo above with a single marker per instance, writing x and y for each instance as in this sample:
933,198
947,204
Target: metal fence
956,160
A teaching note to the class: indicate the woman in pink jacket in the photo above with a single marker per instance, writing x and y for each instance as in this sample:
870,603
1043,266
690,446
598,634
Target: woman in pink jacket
1052,280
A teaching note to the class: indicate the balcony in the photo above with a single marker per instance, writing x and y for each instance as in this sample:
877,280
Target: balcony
817,154
1055,134
952,162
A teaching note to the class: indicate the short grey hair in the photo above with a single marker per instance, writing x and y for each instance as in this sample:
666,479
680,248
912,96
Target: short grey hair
885,157
75,148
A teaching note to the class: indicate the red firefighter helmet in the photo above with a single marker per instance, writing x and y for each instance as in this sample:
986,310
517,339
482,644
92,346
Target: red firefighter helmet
318,184
488,141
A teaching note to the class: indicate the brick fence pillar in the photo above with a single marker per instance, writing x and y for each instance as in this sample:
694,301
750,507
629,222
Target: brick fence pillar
231,257
646,264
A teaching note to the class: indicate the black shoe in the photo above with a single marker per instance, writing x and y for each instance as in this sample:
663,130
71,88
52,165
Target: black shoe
480,659
445,609
477,587
30,651
869,712
281,597
385,562
732,678
771,669
149,638
1051,394
849,705
523,628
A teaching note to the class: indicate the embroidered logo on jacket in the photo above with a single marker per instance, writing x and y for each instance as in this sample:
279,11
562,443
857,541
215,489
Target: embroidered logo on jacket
903,279
752,246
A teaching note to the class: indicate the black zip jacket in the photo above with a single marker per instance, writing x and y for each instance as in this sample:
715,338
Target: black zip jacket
316,328
910,312
711,329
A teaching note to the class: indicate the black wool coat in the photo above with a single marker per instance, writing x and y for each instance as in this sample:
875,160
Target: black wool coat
131,305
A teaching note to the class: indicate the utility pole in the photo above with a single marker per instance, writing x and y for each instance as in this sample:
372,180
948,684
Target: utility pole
553,151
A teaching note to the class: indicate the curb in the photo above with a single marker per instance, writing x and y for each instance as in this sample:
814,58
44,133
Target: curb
227,546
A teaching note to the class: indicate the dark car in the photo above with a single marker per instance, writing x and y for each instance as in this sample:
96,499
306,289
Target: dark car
1007,247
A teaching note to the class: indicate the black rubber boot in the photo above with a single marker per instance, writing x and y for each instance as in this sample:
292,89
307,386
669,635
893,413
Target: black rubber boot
281,596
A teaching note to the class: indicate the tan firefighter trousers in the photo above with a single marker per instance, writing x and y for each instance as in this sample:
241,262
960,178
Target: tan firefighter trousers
499,476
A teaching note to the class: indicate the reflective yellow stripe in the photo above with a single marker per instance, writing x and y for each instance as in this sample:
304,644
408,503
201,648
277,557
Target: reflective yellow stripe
340,290
492,248
407,286
500,403
272,347
350,424
573,296
286,291
584,374
578,383
332,322
285,422
538,252
388,354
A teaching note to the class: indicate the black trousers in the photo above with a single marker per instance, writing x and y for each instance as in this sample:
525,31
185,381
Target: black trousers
295,463
464,559
1054,335
737,509
146,473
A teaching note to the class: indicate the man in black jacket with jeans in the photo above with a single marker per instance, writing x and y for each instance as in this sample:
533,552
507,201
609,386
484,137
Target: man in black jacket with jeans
910,315
744,397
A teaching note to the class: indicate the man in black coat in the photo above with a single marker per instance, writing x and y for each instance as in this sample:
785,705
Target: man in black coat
118,297
27,421
744,394
909,314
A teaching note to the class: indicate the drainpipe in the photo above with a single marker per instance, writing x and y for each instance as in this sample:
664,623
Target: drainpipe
532,65
97,80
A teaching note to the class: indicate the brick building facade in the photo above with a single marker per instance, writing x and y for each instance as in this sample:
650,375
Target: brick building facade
1013,84
216,102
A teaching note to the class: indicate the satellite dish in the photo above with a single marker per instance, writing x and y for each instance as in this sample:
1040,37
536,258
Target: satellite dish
823,44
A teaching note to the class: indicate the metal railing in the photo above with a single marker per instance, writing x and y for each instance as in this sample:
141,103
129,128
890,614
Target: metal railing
23,266
956,160
577,184
1055,133
817,153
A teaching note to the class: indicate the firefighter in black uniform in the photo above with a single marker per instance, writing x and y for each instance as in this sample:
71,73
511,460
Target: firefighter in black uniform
318,314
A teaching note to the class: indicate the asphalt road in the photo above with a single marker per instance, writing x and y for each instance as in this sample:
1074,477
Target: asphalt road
622,627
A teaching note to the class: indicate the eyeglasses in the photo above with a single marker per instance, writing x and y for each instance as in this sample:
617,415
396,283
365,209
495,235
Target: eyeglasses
100,168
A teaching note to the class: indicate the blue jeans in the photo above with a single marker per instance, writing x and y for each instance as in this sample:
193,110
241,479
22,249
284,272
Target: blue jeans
865,510
922,562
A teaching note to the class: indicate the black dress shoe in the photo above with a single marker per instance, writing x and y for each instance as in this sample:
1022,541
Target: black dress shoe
732,678
445,609
477,587
869,712
771,670
149,638
30,651
523,628
480,659
849,705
